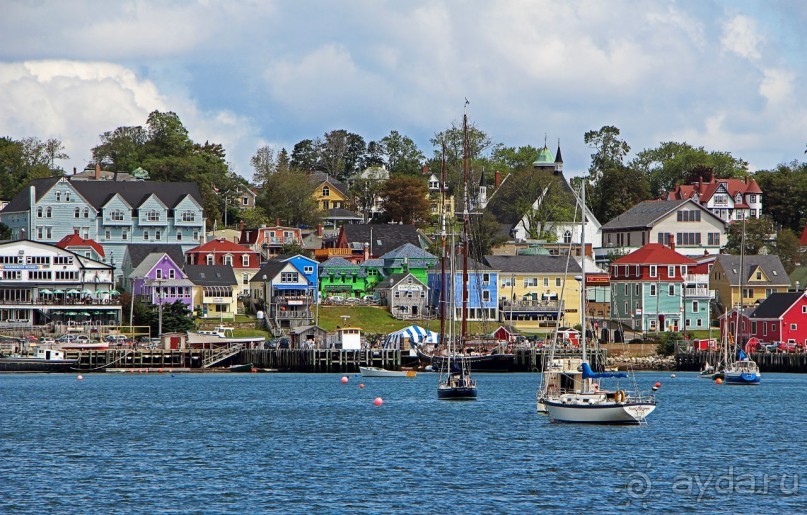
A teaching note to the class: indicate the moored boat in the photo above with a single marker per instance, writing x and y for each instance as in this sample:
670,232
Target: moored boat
45,360
382,372
244,367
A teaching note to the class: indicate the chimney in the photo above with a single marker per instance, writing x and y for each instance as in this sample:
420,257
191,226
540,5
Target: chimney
366,251
241,225
425,170
319,230
97,171
74,170
497,179
277,221
671,241
747,180
75,231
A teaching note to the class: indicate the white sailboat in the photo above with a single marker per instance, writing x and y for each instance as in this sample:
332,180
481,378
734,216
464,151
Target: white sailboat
570,392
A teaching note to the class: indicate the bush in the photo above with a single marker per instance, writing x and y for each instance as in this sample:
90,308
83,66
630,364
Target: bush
666,344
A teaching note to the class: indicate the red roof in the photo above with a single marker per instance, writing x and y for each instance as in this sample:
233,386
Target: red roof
74,240
220,245
654,254
705,190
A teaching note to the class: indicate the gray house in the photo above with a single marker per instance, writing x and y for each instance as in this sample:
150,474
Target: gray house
405,294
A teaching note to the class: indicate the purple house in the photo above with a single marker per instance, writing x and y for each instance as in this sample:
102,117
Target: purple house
158,279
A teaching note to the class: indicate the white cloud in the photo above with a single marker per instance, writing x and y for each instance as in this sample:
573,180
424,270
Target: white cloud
740,36
777,86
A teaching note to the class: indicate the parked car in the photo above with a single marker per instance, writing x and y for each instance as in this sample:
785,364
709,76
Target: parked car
771,347
790,347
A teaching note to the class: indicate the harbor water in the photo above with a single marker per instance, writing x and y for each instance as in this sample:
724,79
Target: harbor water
247,443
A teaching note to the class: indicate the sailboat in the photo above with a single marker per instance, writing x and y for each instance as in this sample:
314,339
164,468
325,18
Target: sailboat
455,381
740,369
570,392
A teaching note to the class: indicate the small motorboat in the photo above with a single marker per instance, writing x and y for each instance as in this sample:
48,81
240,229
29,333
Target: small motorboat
245,367
383,372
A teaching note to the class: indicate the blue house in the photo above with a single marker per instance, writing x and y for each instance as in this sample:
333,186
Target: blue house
286,289
483,290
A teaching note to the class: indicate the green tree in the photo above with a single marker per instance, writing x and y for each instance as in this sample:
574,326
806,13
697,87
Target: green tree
121,150
292,249
618,189
5,232
785,194
252,218
176,318
756,232
364,193
610,151
305,156
264,164
788,248
485,235
287,195
405,200
673,163
450,144
510,159
403,155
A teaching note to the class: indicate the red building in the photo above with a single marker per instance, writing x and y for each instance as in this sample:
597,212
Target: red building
782,317
269,240
82,246
244,261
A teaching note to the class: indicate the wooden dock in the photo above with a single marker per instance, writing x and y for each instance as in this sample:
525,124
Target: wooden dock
766,361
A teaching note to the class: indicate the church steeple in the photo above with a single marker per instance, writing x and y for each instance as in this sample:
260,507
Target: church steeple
558,159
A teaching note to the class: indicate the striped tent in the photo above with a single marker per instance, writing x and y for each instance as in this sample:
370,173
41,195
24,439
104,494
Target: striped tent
417,335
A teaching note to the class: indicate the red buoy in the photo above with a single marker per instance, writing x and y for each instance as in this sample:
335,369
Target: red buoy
658,385
345,379
361,385
378,401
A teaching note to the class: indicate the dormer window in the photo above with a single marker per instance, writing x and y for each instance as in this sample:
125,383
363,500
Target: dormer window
228,260
244,259
209,259
739,198
188,216
152,215
116,215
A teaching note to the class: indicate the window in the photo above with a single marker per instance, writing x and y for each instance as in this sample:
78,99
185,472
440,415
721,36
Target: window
804,309
209,259
228,260
627,289
116,215
157,235
49,212
670,272
689,215
171,273
145,235
637,289
759,275
713,238
653,271
326,191
152,215
506,283
308,269
288,277
39,232
245,201
244,259
688,238
159,274
86,212
58,196
671,290
485,296
546,282
558,282
107,234
326,204
67,196
652,290
179,235
664,238
695,306
48,232
188,216
39,212
124,235
195,235
244,278
752,198
793,327
567,237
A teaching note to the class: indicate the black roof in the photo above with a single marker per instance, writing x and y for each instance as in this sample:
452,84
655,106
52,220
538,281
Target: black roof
138,252
270,269
98,193
381,237
211,275
775,305
533,263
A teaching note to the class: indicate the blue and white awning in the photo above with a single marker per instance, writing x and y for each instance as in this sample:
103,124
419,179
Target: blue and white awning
417,335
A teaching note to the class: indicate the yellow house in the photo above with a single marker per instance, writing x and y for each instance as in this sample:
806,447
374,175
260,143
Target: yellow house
761,276
215,291
534,289
329,193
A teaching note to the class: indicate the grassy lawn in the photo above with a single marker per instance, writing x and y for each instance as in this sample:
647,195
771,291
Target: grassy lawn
378,320
244,333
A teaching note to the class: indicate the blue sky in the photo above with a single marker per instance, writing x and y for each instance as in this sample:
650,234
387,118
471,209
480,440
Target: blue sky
726,75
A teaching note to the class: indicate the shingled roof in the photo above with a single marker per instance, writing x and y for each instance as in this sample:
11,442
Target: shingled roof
381,237
138,252
776,305
533,264
771,266
211,275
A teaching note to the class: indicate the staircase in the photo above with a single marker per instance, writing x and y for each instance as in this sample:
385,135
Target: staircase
221,354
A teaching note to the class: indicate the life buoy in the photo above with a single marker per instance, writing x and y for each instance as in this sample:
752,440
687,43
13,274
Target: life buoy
619,396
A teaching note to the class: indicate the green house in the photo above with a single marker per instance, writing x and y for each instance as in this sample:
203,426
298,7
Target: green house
338,276
409,259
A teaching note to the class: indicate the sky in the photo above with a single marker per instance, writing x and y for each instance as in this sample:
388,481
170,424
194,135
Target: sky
729,76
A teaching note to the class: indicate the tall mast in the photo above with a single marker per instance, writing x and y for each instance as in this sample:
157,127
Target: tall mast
443,284
465,222
737,334
583,267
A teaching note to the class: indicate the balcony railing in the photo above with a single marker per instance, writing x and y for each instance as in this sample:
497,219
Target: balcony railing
61,302
292,314
530,305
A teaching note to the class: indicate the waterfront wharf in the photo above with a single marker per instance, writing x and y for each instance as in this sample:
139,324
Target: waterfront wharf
766,361
287,360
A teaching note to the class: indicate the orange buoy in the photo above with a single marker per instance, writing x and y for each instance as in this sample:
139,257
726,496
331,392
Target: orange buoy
718,381
345,379
378,401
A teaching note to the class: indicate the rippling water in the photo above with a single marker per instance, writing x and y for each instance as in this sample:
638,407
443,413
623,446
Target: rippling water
237,443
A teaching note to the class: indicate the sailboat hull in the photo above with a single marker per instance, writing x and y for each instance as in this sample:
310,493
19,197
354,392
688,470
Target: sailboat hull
612,413
458,393
741,379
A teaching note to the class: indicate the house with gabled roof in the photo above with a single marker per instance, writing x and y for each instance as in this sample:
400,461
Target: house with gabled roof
84,246
112,213
404,294
286,289
367,241
328,192
534,290
729,199
244,261
158,279
693,228
340,277
652,290
409,258
757,276
782,317
483,292
215,291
